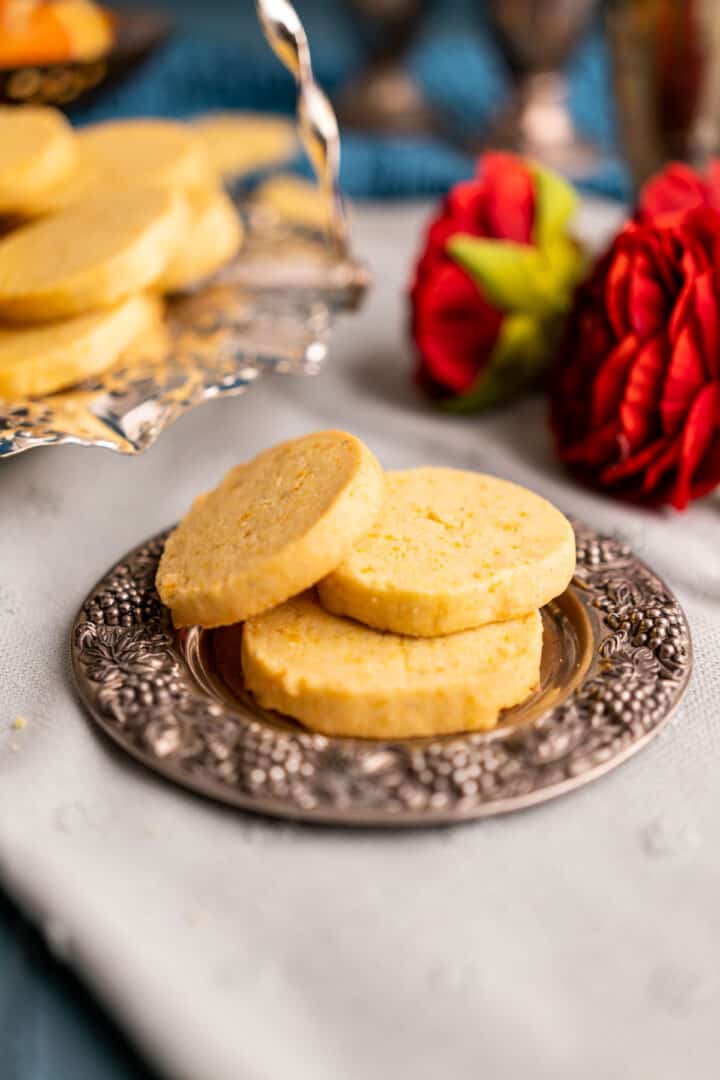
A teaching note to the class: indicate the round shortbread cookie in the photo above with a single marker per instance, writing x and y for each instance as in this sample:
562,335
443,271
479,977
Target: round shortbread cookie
89,256
37,151
122,155
273,527
212,238
243,142
39,360
342,678
453,550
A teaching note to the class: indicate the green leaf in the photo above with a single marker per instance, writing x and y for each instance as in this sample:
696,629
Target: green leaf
555,203
518,277
511,275
522,352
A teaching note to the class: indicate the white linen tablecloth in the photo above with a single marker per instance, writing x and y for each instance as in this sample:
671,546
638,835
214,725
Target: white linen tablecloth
578,939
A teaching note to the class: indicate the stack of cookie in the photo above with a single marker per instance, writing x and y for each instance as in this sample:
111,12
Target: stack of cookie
99,225
374,604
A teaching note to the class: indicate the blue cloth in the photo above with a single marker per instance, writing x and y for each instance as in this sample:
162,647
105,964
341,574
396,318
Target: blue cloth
453,60
49,1028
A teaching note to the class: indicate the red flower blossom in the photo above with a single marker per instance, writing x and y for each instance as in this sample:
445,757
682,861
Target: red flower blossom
636,394
454,326
675,190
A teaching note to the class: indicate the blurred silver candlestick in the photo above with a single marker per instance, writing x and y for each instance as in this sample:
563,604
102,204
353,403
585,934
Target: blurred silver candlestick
536,37
385,96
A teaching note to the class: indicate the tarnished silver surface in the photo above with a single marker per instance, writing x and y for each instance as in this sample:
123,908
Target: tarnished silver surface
617,659
271,309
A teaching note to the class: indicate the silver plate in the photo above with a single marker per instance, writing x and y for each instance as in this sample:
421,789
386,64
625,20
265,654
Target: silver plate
616,661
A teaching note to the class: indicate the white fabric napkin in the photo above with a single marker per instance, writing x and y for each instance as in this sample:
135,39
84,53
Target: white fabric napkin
578,939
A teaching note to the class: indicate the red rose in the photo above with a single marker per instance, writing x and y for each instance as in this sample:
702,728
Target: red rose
636,395
454,326
677,189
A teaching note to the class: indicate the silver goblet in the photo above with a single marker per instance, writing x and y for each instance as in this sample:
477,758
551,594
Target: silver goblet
385,96
535,38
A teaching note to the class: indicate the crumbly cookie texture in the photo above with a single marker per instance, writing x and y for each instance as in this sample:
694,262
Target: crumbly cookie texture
452,550
90,256
339,677
38,152
273,527
39,360
212,238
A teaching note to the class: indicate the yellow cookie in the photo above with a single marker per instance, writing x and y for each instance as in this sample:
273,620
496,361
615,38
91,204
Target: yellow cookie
37,151
89,256
212,237
295,200
126,154
241,142
42,359
452,550
273,527
342,678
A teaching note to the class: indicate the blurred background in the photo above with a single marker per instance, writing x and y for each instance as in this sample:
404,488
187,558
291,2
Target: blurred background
420,85
603,90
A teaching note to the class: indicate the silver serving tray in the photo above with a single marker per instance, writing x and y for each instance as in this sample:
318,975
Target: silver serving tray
616,662
270,310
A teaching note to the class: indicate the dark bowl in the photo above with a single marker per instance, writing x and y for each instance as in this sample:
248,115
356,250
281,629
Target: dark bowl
79,83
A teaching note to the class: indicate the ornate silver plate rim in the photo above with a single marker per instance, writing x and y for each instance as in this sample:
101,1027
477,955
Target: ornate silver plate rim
135,675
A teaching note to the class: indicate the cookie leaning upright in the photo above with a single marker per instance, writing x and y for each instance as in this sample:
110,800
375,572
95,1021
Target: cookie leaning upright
89,256
273,527
452,550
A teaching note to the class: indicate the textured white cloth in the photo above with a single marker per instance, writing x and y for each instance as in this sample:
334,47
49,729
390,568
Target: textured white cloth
578,939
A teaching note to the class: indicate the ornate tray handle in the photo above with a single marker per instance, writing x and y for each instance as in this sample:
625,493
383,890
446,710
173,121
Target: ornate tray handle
316,118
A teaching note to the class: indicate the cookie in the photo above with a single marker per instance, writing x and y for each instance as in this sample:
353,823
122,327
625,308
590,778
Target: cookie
243,142
89,256
453,550
121,155
342,678
42,359
295,200
212,238
148,152
273,527
37,152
